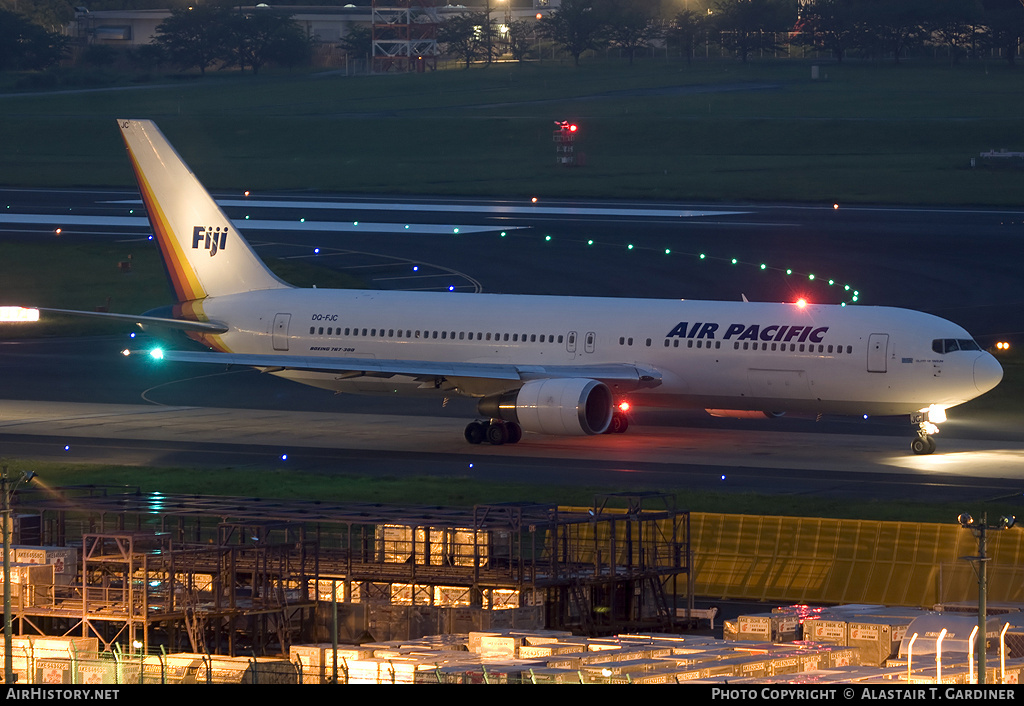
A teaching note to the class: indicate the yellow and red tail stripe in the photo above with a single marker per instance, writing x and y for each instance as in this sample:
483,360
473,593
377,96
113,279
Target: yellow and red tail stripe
183,278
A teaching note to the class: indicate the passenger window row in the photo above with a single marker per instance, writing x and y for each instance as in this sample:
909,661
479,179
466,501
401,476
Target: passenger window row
409,334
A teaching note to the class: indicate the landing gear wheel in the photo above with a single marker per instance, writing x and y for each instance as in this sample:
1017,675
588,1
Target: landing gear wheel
923,445
497,434
618,424
475,432
515,433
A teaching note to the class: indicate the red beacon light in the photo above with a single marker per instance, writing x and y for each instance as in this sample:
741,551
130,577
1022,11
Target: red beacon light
801,303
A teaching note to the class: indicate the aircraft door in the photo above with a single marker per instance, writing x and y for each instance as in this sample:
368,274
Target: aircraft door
570,343
590,341
878,349
280,334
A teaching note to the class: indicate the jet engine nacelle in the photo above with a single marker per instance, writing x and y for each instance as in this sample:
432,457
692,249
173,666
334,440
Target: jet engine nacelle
743,413
560,406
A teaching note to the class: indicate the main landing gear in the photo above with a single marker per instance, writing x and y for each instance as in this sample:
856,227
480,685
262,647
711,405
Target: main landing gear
495,432
619,423
924,444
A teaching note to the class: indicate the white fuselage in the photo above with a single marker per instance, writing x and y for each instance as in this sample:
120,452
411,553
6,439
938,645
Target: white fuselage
722,355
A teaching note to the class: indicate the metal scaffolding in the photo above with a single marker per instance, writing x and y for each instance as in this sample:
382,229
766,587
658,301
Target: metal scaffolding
223,575
404,34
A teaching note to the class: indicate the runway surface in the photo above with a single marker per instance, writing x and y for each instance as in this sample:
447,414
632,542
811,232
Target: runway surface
80,401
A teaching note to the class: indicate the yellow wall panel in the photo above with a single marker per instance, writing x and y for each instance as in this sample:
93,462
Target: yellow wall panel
796,559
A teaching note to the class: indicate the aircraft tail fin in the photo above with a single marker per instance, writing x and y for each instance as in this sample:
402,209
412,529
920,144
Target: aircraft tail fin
203,252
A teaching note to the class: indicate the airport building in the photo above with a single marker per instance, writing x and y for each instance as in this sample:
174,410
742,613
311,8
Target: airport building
325,24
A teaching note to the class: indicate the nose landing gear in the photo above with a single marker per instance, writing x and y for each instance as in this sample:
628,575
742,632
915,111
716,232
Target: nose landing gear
924,444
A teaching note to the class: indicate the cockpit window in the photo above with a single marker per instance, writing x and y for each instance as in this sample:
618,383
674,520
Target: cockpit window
947,345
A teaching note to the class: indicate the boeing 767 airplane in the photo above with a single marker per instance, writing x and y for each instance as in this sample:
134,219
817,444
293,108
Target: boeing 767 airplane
546,365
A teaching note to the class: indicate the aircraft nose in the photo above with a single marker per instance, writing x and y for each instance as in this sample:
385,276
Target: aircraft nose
987,372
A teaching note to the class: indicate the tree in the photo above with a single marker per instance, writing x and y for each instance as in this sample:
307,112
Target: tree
27,46
520,38
746,26
265,35
578,25
953,25
462,37
834,25
683,30
1005,22
896,25
195,36
632,26
358,43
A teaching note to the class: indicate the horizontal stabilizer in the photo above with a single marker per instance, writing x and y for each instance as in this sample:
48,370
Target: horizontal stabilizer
144,321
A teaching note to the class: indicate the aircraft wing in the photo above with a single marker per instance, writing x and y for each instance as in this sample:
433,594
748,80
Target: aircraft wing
622,375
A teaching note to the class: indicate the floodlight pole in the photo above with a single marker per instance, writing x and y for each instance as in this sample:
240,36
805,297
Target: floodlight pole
980,530
982,598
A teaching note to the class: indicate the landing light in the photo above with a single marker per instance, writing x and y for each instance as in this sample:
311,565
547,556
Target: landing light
18,313
1003,346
